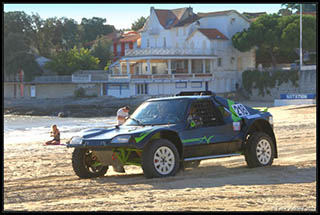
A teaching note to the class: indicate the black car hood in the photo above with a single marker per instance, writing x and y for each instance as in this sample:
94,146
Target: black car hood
109,133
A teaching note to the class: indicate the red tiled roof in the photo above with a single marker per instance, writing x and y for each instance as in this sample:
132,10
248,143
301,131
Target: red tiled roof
222,13
307,13
214,13
254,15
164,16
213,34
188,20
179,12
131,37
169,18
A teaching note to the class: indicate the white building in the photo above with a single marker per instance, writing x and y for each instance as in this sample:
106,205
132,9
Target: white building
183,51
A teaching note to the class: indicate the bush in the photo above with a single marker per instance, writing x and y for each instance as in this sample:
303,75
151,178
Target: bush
80,93
265,80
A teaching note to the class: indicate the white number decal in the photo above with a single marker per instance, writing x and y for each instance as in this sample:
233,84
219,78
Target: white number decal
240,110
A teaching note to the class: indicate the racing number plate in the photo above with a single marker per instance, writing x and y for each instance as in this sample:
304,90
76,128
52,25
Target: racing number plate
240,110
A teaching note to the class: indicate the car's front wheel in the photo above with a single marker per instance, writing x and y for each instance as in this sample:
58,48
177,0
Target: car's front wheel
160,158
260,150
86,165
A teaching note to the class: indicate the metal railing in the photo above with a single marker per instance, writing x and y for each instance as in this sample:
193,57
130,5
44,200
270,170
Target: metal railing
55,78
168,51
162,76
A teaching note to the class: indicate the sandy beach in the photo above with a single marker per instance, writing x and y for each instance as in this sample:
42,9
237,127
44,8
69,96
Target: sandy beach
41,178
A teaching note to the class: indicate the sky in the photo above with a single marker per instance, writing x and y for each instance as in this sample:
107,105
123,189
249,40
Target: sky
123,15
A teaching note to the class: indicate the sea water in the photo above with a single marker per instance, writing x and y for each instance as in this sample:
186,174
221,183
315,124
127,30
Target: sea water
27,129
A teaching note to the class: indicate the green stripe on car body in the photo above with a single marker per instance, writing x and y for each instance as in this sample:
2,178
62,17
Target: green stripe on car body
200,139
143,135
262,109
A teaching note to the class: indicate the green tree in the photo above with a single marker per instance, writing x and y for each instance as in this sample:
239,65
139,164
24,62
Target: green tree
68,62
284,12
290,35
42,36
309,7
17,57
101,49
17,51
17,22
138,24
70,33
92,28
263,34
277,37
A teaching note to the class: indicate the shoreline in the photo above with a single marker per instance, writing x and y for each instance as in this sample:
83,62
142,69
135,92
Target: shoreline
105,106
70,107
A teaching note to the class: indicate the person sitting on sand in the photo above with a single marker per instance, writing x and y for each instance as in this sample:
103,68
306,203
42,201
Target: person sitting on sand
55,133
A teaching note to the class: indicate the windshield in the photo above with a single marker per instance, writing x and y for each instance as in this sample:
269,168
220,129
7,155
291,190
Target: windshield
159,112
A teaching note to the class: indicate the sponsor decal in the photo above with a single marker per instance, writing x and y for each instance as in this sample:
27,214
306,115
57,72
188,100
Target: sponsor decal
234,116
240,110
236,126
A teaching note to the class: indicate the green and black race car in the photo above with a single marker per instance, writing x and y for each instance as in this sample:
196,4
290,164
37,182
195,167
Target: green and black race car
166,134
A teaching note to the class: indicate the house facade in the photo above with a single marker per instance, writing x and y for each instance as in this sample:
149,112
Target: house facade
180,51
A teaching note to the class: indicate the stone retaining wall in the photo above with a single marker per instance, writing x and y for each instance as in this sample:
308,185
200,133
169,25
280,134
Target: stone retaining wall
307,85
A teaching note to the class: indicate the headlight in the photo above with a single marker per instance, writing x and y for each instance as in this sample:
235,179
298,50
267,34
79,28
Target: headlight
76,140
271,120
121,139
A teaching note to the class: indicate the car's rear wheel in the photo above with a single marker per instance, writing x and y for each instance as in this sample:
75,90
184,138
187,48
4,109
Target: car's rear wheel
160,158
260,150
86,165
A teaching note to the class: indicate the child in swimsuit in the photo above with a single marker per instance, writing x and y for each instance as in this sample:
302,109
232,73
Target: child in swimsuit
55,133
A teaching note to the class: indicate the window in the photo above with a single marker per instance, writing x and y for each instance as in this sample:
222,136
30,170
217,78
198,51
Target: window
137,70
204,45
219,62
232,20
192,45
208,66
142,89
148,44
207,113
196,84
154,70
181,84
164,43
113,86
124,86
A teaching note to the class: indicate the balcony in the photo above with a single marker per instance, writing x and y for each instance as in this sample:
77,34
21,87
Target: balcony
177,76
168,51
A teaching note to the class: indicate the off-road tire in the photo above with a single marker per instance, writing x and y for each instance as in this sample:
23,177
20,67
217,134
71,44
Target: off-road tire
255,143
151,152
191,164
80,168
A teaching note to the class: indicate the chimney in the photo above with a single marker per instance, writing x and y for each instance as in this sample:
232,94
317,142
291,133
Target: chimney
190,11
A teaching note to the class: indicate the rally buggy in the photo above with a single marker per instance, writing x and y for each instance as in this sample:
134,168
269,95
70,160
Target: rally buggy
166,134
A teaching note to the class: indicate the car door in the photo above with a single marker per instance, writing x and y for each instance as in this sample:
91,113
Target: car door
212,136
